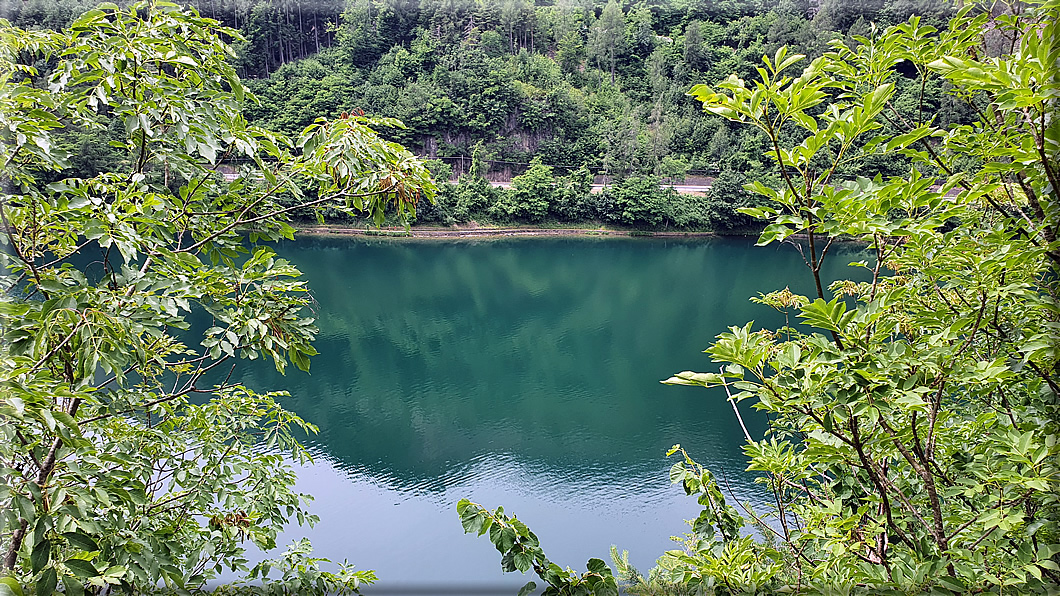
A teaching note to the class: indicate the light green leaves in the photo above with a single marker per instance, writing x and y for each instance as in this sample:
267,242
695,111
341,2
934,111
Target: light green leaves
81,568
520,551
518,546
832,315
118,476
912,415
350,162
904,140
741,346
301,572
694,379
10,587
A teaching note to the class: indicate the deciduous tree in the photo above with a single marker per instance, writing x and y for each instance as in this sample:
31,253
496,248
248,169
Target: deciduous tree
913,413
130,455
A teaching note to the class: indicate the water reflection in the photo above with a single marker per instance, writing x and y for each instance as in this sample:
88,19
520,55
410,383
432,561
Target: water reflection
524,373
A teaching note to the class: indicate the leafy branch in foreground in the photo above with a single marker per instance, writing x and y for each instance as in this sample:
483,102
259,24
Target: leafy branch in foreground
912,443
521,551
129,457
913,414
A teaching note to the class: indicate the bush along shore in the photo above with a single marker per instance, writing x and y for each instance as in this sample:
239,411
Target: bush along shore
540,202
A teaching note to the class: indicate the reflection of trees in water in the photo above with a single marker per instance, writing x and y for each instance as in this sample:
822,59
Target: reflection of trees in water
549,349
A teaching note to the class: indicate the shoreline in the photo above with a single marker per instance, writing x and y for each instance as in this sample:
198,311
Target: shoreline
496,232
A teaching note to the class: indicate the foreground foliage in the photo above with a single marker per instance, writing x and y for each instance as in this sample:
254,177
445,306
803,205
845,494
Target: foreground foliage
521,551
913,416
129,456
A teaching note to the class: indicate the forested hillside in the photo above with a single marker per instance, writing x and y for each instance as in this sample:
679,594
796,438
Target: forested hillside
912,406
587,89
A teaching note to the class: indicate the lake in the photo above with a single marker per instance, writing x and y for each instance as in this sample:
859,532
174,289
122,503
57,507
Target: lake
522,373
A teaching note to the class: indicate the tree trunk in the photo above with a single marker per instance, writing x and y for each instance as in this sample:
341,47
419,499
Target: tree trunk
268,50
612,64
316,31
301,32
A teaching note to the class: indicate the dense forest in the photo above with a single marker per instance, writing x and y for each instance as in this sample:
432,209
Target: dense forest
550,96
912,410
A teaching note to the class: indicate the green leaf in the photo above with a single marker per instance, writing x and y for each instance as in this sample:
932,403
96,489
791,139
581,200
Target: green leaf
462,506
774,233
527,589
831,315
40,555
598,566
66,419
904,140
523,561
486,524
46,583
505,540
472,520
114,572
786,62
138,497
81,568
81,541
72,587
1033,570
678,471
9,586
952,583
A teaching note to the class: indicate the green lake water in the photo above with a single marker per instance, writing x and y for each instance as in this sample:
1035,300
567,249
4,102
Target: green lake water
522,373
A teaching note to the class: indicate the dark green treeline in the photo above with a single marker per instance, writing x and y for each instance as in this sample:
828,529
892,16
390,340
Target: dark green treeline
550,95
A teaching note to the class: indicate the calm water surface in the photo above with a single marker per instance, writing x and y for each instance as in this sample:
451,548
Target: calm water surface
521,373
